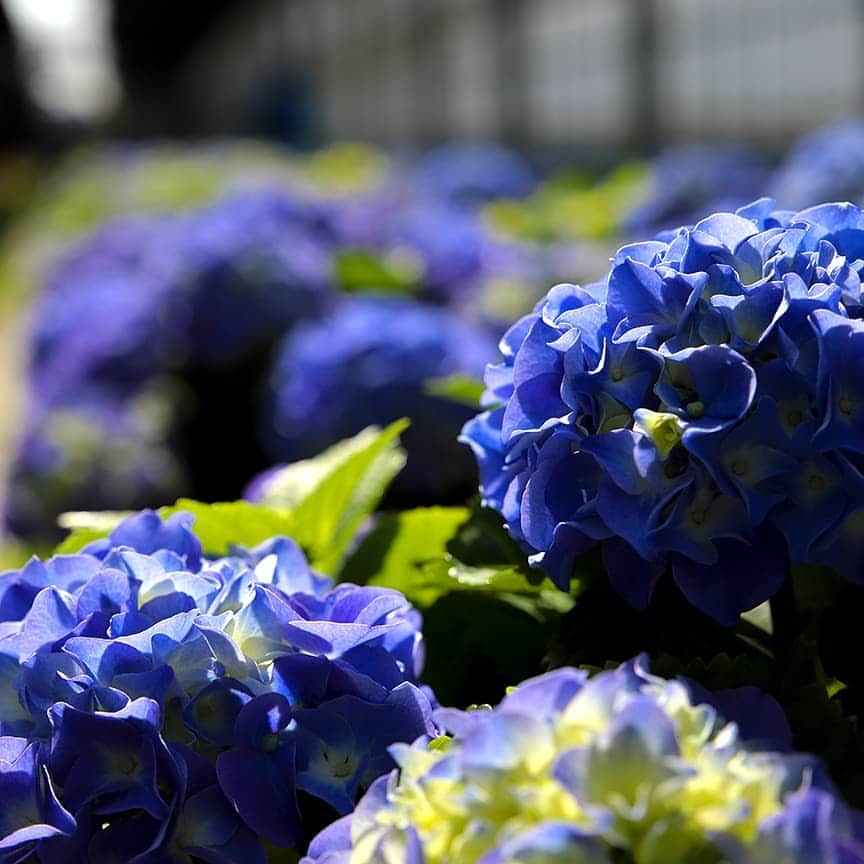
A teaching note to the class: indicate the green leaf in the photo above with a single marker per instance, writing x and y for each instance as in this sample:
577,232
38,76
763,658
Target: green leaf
233,523
411,551
362,270
427,583
328,517
458,388
482,539
477,645
217,526
291,485
402,543
319,502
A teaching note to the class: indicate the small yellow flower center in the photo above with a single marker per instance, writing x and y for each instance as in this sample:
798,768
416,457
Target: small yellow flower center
662,428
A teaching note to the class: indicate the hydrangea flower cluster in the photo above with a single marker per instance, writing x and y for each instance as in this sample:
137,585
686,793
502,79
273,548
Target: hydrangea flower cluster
368,362
826,165
156,292
135,308
95,448
157,705
622,767
694,179
472,174
187,302
700,409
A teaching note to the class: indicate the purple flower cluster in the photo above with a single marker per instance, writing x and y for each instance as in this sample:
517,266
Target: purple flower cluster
701,409
160,706
189,288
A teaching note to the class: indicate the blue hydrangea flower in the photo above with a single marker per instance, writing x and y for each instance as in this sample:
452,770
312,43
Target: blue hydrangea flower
693,179
368,363
249,268
95,448
141,303
700,410
160,705
624,766
470,174
104,315
144,295
826,165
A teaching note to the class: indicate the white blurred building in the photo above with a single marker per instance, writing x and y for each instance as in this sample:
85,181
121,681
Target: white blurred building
545,72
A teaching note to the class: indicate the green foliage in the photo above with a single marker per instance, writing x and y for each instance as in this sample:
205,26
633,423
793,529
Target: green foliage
357,271
401,545
233,523
570,208
327,519
478,644
320,503
487,616
458,388
433,551
293,484
217,526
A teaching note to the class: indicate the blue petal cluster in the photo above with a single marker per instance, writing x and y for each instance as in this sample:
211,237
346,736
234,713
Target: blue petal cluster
125,315
470,174
160,706
826,165
701,409
622,767
694,179
133,318
93,448
368,362
190,287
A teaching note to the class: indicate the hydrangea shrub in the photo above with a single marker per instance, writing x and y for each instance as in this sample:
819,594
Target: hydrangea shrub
827,164
182,302
159,705
622,767
368,362
698,410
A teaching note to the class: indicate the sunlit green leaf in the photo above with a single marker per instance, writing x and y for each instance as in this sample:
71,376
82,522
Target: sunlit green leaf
458,388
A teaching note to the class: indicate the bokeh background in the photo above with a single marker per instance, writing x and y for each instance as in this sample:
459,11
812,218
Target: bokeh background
234,233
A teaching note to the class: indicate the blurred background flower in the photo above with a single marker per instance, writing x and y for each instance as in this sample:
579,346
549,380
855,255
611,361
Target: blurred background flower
175,207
